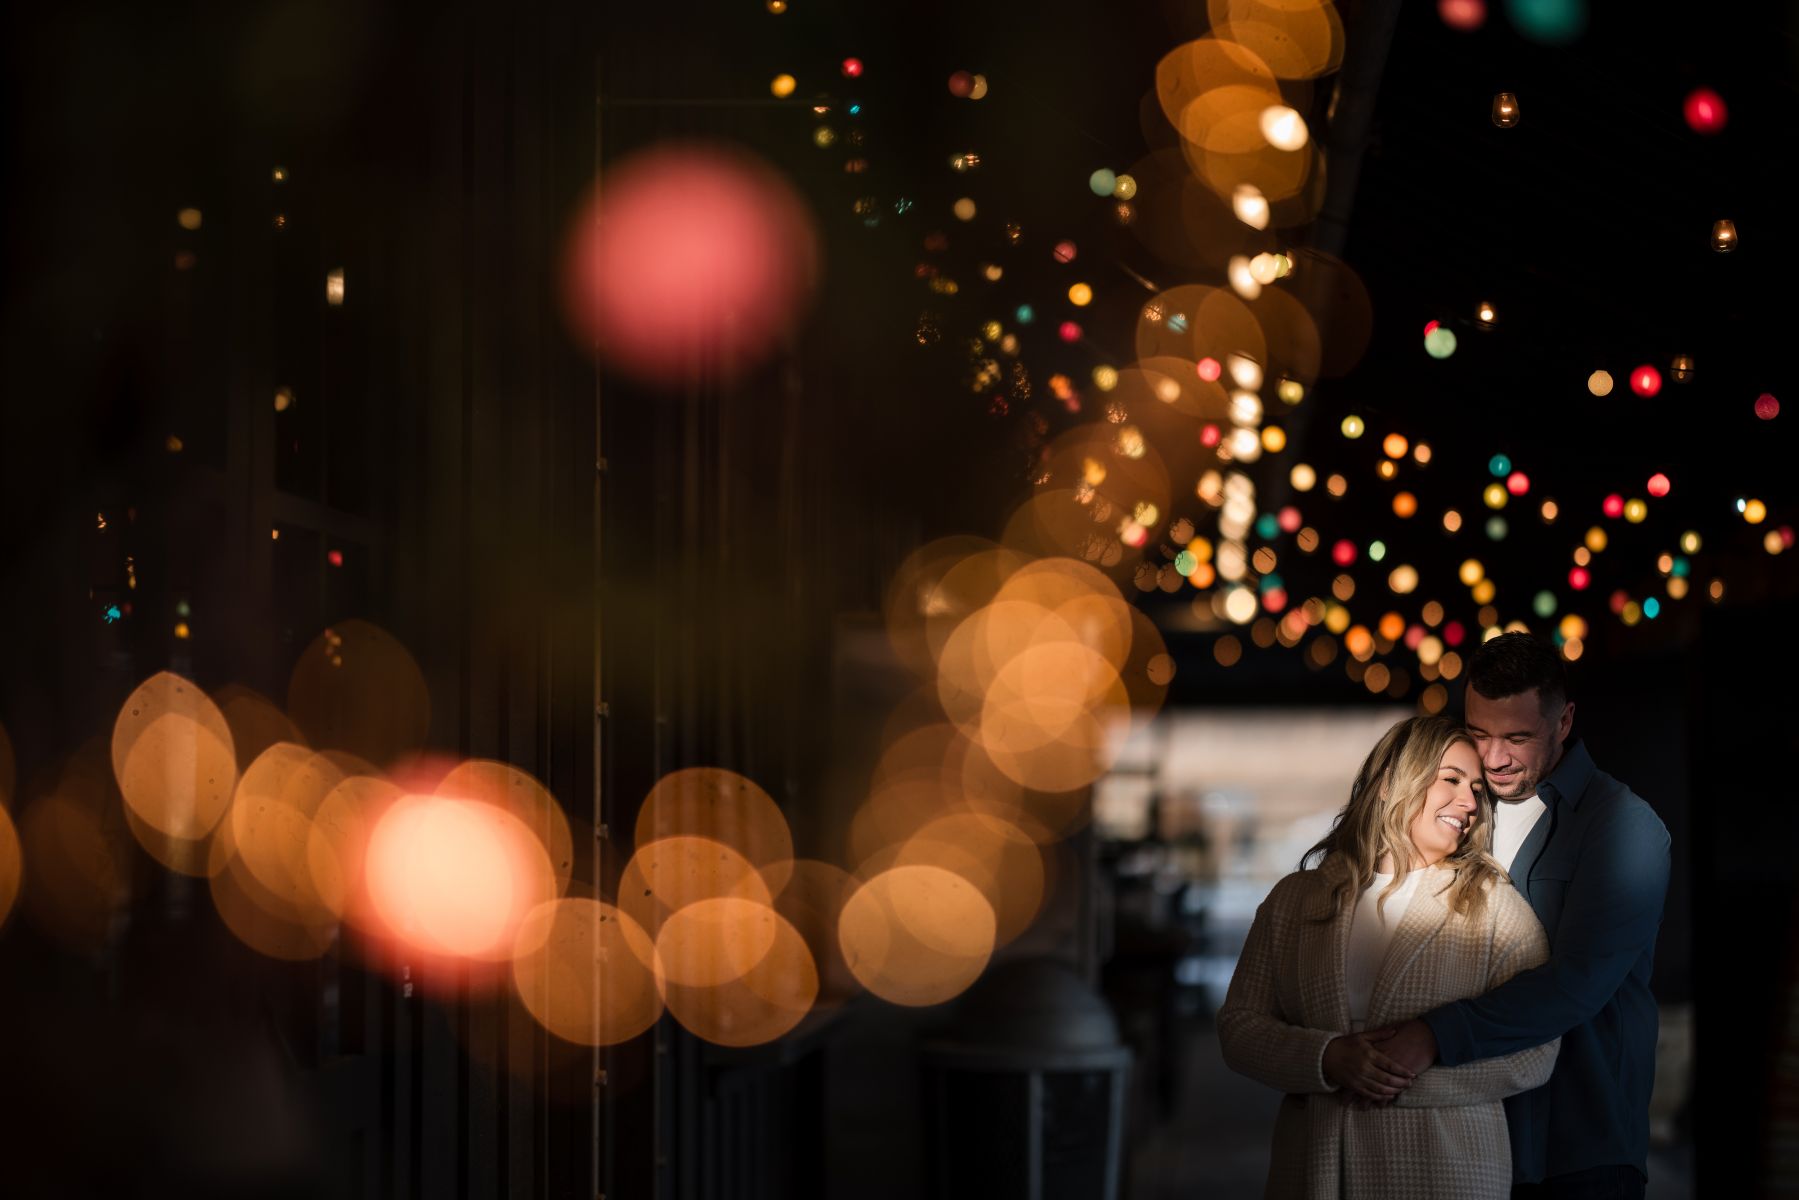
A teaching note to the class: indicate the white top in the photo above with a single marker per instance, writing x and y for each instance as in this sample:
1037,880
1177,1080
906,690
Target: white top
1369,933
1512,822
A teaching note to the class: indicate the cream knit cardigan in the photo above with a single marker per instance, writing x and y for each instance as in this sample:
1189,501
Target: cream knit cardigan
1444,1138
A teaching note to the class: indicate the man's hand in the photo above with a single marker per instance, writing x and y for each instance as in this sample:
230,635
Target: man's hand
1354,1063
1410,1045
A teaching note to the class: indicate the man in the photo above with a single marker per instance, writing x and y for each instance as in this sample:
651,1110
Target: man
1592,860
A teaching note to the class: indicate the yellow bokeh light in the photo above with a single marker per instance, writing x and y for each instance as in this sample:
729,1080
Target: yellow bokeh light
917,935
1452,521
1495,496
1600,383
1274,439
964,209
188,218
1472,572
1353,427
1405,505
1303,477
1395,445
1690,542
783,86
1755,512
583,970
1483,592
1403,579
1636,511
1080,295
1597,540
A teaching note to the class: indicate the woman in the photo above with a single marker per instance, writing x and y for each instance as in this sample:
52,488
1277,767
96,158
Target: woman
1406,911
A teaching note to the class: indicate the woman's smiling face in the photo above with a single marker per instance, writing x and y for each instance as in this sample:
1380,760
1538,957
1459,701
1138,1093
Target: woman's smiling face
1451,806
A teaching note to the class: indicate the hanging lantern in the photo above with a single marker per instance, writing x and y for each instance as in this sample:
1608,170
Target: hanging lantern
1505,110
1724,236
1682,368
1485,315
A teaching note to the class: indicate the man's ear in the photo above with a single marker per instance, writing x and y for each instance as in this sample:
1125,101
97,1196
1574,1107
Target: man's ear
1567,722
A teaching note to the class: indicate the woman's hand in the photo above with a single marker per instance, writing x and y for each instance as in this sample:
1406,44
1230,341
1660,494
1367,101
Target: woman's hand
1354,1063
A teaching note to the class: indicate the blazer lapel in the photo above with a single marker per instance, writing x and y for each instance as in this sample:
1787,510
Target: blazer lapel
1525,861
1424,918
1322,947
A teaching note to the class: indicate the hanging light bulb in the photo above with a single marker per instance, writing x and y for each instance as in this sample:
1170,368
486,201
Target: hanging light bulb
1486,316
1243,279
1246,371
1505,110
1284,128
1724,236
1251,206
1682,368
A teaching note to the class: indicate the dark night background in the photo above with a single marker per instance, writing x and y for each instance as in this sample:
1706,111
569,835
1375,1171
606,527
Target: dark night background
704,593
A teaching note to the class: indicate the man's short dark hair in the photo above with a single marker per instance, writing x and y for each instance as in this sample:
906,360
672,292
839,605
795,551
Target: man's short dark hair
1513,663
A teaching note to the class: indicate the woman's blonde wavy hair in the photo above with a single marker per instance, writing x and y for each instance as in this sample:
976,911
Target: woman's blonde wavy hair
1388,792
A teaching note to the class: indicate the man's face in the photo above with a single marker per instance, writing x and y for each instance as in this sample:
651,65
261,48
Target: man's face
1519,745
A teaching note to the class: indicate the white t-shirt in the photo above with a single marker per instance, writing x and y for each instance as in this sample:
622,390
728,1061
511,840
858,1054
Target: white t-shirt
1512,822
1369,933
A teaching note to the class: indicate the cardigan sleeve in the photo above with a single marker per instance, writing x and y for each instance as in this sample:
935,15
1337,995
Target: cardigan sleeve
1518,945
1257,1037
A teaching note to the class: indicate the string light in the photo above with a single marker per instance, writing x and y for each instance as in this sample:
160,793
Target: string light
1284,128
1705,111
1505,110
1682,368
1724,236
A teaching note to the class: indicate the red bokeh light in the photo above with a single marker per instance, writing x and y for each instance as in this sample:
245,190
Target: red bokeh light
1579,578
1517,483
1614,506
1465,15
692,261
1454,634
335,558
852,68
1766,406
961,85
1343,553
1068,331
1210,435
1065,252
1705,111
1209,369
1619,599
1431,327
1290,520
1659,485
1645,381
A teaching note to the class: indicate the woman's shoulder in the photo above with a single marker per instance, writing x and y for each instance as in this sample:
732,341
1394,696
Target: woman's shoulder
1304,885
1506,905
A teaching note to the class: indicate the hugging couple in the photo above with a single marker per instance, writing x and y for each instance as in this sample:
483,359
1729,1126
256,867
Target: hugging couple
1453,990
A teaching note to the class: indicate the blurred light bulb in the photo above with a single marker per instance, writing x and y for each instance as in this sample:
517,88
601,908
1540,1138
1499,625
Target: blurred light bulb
1505,110
1251,206
1284,128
